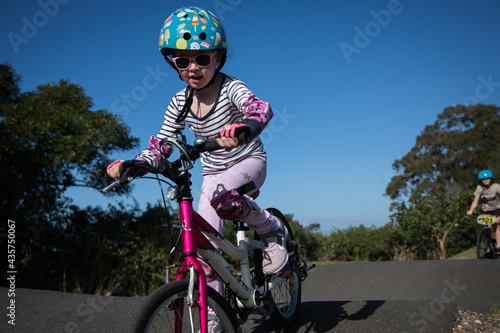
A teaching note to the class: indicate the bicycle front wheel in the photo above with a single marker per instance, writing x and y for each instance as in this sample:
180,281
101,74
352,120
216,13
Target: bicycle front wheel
484,247
169,302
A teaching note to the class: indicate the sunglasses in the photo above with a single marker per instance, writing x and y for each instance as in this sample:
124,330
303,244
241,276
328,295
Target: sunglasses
202,60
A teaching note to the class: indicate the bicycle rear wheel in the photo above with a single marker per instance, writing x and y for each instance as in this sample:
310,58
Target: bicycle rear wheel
283,302
170,300
484,247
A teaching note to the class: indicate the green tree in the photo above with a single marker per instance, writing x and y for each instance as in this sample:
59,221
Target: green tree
428,222
9,85
361,243
50,139
311,242
435,177
449,153
119,251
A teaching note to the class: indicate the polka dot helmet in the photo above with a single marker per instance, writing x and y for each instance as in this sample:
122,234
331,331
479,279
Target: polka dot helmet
192,28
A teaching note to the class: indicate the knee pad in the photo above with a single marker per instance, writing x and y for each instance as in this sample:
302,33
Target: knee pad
230,205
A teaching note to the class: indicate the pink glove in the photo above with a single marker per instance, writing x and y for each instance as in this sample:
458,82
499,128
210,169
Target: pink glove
115,162
234,130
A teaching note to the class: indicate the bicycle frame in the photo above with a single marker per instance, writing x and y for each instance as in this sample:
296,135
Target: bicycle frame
194,229
486,221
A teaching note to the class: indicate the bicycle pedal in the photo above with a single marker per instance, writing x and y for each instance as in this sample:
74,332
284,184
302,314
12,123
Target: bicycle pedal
300,268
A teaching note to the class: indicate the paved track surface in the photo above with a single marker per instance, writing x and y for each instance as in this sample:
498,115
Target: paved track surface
407,296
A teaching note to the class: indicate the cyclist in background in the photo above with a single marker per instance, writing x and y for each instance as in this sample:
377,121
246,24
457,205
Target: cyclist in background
213,104
488,195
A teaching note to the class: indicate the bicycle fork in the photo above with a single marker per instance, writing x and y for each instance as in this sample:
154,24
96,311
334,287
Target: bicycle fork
194,299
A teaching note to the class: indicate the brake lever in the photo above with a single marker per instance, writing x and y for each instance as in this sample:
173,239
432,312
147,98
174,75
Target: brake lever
122,181
110,186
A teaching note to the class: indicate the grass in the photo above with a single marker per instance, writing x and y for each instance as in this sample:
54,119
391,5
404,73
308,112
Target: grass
494,311
467,254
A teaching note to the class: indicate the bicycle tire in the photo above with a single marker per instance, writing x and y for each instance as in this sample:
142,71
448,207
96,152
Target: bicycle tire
484,248
157,313
283,302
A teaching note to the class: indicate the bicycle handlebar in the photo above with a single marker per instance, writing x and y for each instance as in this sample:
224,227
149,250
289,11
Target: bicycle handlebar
188,154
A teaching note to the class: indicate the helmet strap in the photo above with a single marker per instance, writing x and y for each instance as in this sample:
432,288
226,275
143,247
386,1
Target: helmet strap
167,59
189,101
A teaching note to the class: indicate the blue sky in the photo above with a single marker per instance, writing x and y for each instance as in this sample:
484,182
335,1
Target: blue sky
352,83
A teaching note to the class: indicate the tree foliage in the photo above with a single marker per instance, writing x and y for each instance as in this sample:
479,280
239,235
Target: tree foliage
462,141
428,223
436,176
50,139
309,239
116,251
361,243
9,85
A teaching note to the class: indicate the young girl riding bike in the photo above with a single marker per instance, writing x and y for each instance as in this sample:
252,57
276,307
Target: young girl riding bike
193,42
488,194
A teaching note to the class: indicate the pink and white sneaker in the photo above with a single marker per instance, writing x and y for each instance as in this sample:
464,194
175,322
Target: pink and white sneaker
274,251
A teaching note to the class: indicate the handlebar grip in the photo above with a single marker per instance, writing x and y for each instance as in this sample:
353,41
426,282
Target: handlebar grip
204,145
127,164
124,167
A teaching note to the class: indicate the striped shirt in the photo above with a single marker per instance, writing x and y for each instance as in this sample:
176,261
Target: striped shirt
235,104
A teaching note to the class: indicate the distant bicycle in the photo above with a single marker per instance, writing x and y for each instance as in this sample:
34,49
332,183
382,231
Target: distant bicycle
485,242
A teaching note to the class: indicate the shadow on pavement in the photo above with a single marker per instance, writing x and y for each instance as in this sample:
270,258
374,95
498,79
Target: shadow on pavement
322,316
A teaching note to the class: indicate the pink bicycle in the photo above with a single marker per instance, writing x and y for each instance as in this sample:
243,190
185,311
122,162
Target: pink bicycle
188,304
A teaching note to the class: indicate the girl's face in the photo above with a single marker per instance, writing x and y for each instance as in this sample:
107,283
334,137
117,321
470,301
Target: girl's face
486,181
196,68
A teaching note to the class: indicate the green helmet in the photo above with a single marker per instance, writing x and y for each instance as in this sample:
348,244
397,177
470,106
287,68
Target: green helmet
192,28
